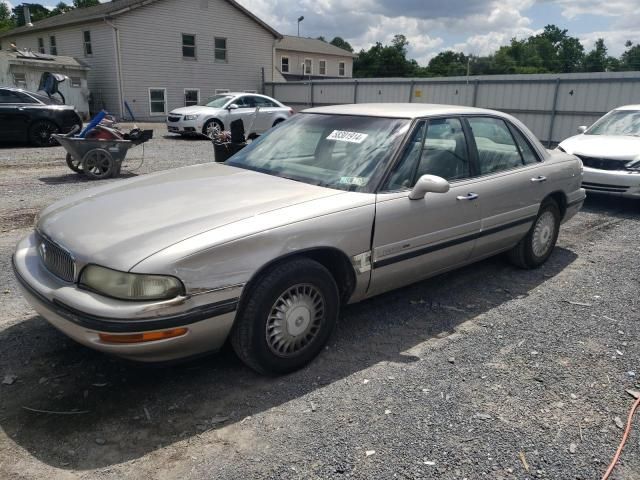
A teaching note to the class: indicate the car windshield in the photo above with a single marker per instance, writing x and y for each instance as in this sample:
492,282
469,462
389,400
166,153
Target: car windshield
617,122
218,101
335,151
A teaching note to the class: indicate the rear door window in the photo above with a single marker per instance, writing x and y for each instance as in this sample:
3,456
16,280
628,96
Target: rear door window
497,150
528,155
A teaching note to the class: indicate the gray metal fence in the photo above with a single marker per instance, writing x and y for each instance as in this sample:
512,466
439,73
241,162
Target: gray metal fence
552,105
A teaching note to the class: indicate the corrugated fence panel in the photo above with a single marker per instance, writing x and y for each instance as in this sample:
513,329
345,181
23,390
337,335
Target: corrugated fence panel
552,105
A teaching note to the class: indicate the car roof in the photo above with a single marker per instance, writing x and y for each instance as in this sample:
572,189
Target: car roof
400,110
628,107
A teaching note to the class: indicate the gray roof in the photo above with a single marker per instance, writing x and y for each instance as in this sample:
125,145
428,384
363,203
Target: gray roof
399,110
311,45
28,58
109,9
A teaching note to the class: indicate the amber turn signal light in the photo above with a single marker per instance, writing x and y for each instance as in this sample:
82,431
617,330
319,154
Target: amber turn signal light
142,337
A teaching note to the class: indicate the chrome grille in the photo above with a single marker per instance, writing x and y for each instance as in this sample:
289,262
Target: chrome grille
57,260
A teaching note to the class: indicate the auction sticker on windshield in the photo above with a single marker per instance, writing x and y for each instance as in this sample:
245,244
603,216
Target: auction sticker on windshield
343,136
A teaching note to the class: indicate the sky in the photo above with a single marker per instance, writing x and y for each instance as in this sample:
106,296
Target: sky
478,27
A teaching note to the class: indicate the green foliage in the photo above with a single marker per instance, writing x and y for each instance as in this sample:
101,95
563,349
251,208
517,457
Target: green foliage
6,22
386,60
85,3
341,43
61,8
630,59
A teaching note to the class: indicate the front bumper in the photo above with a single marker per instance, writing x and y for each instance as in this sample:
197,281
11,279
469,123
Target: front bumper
84,315
185,127
620,183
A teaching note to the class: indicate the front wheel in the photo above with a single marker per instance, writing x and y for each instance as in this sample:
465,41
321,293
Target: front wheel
287,318
212,129
536,247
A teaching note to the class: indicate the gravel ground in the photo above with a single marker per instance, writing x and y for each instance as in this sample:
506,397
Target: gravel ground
486,372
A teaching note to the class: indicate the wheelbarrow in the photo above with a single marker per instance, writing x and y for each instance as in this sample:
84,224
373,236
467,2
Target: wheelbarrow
99,158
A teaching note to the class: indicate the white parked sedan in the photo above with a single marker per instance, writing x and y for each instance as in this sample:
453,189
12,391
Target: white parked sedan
218,112
610,153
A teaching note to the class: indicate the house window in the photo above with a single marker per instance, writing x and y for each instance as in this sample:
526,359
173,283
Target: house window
284,64
220,91
53,48
221,50
191,97
76,82
308,66
341,69
250,91
88,50
41,45
322,67
20,80
188,45
158,101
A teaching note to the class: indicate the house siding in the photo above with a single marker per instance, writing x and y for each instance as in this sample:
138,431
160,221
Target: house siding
151,45
102,78
297,58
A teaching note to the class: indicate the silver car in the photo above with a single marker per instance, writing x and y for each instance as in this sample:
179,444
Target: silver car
258,114
610,153
334,206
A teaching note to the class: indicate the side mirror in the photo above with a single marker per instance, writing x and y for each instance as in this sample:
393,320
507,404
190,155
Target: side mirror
428,184
233,106
582,129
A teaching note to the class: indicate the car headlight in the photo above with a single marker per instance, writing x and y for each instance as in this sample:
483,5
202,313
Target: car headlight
191,117
130,286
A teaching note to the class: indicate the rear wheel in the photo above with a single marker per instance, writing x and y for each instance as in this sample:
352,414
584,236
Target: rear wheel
40,133
74,164
287,318
278,122
536,247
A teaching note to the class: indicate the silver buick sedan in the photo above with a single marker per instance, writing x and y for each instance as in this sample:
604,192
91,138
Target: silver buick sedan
335,205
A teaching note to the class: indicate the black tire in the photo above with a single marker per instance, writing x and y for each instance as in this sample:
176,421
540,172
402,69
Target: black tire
525,254
40,133
73,164
255,333
206,128
98,164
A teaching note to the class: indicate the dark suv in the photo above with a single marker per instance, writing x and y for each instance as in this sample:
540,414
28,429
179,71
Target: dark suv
28,116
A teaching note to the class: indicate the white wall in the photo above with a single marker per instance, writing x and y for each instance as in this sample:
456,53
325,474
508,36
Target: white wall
296,59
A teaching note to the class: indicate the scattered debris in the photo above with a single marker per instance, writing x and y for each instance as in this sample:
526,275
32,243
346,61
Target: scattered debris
245,419
313,407
387,412
220,419
9,379
618,422
573,396
100,441
365,381
579,304
572,448
523,459
483,416
72,412
451,359
429,462
619,352
146,413
43,380
99,385
368,453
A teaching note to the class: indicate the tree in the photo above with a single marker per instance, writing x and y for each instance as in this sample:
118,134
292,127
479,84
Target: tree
596,59
386,60
630,59
321,38
61,8
37,12
341,43
448,64
6,22
85,3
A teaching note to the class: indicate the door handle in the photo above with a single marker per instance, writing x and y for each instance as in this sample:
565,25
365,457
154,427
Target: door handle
469,196
539,179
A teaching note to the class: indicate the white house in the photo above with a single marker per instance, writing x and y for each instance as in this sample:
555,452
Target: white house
157,55
298,58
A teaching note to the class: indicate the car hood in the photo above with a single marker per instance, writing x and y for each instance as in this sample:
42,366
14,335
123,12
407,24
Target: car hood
603,146
119,225
194,110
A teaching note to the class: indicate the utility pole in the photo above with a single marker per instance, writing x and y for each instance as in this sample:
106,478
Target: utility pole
300,18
